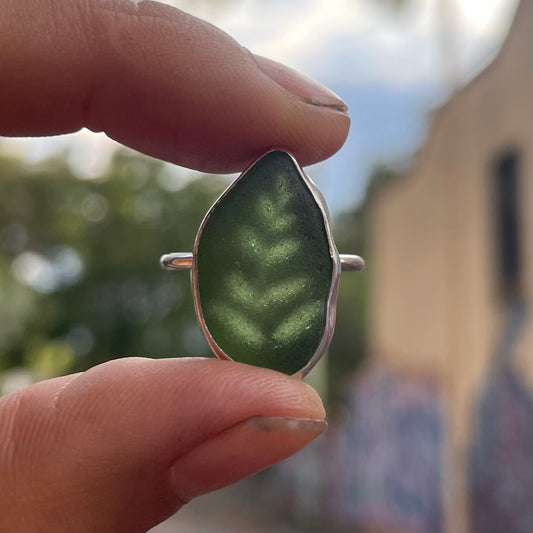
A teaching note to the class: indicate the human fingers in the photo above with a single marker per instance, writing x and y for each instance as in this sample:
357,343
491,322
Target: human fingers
158,80
123,445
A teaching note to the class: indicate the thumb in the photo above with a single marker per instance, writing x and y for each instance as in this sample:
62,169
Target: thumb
122,446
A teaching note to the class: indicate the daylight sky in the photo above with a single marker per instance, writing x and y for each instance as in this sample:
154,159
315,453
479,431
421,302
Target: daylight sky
357,41
389,66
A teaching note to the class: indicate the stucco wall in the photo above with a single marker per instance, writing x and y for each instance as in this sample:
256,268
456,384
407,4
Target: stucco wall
435,301
436,305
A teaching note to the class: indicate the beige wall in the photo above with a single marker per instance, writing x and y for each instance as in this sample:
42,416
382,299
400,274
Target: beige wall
435,303
435,299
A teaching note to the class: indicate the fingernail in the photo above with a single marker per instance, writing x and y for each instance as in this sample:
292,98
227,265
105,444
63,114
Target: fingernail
285,424
300,85
240,451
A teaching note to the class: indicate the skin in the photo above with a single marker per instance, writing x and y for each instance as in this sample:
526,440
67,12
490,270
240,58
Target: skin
122,446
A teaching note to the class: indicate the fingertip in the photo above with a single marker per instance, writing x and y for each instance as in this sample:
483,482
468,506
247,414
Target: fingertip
162,82
148,434
161,395
240,451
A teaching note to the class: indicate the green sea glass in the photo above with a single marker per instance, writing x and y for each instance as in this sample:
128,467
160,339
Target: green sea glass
264,268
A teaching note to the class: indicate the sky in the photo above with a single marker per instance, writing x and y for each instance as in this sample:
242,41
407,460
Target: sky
390,67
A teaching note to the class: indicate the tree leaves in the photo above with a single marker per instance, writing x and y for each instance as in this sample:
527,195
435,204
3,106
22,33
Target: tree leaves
265,268
123,304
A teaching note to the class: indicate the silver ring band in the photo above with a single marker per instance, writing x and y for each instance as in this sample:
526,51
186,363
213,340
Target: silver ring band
183,261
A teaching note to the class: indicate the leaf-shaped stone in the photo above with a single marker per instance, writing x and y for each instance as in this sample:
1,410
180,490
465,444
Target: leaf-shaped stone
267,269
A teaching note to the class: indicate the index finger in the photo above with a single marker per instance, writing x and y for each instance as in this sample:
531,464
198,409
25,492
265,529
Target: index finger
158,80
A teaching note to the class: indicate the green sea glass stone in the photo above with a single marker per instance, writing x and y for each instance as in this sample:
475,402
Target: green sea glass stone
264,268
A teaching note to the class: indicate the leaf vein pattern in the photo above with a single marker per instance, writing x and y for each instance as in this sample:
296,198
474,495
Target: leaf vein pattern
266,269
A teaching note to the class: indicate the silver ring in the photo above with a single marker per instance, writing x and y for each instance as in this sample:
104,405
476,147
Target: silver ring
184,261
265,269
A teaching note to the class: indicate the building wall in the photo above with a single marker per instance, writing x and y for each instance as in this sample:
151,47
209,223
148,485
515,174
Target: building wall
435,297
436,305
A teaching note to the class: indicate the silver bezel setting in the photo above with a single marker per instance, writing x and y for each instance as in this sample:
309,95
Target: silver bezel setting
186,261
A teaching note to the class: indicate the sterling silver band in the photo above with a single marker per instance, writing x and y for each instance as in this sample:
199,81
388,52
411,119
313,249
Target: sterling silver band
183,261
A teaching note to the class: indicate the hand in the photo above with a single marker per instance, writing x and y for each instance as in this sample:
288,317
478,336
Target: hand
121,446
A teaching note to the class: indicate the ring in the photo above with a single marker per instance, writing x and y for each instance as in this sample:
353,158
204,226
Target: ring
265,269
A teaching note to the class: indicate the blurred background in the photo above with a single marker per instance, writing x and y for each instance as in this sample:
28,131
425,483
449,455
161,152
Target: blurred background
429,379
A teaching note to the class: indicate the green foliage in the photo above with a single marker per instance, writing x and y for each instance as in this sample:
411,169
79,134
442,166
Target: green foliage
79,272
381,177
348,347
